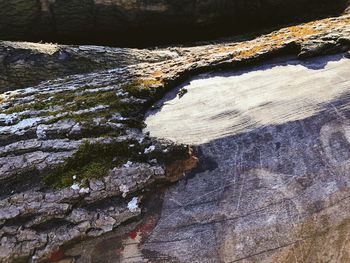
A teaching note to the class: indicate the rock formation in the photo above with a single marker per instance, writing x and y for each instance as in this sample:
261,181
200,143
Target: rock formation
75,164
25,64
142,21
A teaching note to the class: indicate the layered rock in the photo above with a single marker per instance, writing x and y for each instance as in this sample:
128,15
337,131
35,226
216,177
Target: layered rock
65,219
25,64
62,137
117,21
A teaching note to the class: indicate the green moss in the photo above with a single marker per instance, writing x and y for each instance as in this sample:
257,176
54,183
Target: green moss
141,87
175,152
91,131
91,161
17,108
27,106
73,101
91,170
89,100
95,160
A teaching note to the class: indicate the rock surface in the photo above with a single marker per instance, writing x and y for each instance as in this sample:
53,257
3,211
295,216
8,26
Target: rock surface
70,221
25,64
119,21
229,103
274,181
77,122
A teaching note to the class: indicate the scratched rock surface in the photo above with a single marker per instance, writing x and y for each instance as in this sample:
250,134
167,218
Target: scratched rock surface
275,186
90,126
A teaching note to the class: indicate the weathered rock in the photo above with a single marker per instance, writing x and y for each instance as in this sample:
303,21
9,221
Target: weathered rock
35,238
24,64
48,124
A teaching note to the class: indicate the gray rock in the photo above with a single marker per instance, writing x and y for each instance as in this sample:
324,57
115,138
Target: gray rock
45,220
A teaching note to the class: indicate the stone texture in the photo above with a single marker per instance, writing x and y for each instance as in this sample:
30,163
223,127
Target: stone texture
35,238
274,186
24,64
45,124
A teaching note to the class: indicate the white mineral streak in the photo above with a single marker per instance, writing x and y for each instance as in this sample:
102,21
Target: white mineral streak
20,126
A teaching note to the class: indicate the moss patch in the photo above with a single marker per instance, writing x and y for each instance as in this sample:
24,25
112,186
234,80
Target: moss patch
141,87
78,100
91,161
95,160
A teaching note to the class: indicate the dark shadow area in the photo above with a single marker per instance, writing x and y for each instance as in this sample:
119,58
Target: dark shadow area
145,23
20,183
292,149
206,163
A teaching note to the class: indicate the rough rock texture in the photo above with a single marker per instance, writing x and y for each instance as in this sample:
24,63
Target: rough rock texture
76,122
119,21
73,207
24,64
262,202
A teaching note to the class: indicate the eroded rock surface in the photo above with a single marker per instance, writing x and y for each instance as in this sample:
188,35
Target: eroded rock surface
25,64
40,208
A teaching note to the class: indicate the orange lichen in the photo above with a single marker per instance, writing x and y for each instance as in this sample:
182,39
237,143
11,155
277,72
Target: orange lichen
157,73
278,38
249,52
303,31
149,82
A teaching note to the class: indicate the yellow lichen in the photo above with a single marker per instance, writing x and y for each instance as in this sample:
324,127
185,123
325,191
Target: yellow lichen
278,38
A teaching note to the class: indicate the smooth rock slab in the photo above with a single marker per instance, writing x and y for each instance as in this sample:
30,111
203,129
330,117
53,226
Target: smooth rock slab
221,104
273,184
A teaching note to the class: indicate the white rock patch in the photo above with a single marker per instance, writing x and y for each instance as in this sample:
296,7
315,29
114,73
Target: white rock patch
150,149
133,205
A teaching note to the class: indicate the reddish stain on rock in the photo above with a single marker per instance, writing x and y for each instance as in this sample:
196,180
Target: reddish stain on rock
144,229
56,256
133,234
